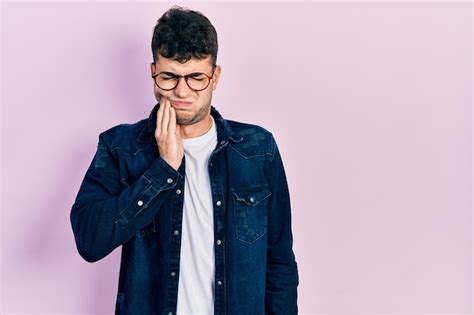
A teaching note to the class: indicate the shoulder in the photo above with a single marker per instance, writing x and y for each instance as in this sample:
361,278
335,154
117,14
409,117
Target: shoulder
255,138
122,136
247,129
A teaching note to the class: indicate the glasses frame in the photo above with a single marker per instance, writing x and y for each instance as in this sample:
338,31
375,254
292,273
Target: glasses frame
186,77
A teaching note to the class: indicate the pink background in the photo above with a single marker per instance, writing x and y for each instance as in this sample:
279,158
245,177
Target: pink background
370,104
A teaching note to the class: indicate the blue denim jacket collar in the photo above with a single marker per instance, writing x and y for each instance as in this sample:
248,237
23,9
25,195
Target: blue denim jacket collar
224,130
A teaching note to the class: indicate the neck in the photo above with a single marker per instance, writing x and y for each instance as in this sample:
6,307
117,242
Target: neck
197,129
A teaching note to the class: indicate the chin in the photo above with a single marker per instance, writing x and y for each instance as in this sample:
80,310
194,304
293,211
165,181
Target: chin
185,122
184,119
188,119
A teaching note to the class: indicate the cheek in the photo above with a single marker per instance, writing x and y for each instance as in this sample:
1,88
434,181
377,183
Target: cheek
209,96
158,93
201,99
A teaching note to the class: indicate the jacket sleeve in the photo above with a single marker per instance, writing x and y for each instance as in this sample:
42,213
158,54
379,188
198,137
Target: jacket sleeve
282,272
106,214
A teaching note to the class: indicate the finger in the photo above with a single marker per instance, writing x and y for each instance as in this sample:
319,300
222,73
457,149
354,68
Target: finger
172,124
159,117
166,118
178,131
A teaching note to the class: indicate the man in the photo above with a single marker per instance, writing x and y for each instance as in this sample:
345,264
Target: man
200,204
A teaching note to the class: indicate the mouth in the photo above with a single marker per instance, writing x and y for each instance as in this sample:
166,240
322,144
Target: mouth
181,104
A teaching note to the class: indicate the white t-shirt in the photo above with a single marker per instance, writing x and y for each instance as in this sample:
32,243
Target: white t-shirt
197,268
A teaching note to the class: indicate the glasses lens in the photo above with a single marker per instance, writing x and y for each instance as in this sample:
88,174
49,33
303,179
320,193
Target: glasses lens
198,82
165,81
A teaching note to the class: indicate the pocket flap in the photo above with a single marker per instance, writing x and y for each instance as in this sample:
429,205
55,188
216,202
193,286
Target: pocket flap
252,195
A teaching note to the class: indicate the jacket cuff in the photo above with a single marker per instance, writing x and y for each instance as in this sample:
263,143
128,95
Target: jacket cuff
160,176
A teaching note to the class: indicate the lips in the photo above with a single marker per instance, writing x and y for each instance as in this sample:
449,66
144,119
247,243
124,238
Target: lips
181,104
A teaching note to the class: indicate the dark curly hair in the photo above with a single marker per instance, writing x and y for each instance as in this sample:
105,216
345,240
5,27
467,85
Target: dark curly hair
182,34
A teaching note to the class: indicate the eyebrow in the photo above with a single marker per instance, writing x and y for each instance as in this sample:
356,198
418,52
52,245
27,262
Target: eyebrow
174,74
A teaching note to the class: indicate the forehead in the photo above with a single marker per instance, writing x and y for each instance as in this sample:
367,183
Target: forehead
192,65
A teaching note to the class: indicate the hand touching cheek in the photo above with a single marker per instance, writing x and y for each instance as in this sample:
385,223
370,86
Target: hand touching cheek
168,134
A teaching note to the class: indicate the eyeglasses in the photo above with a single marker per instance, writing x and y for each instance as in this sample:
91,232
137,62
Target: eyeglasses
196,81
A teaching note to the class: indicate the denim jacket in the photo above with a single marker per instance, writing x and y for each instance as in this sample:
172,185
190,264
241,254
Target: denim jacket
131,197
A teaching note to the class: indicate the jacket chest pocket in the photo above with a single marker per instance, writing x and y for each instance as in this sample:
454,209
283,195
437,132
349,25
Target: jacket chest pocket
250,211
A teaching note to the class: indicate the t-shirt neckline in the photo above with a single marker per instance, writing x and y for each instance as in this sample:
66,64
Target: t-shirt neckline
199,140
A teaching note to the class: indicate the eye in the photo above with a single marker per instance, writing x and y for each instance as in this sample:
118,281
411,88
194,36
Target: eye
167,76
197,76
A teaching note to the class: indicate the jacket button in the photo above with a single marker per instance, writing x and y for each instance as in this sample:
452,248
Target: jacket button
218,242
178,191
218,203
173,273
140,203
176,232
252,199
219,283
169,180
170,313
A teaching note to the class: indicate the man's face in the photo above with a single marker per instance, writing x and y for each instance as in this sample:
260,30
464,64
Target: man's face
200,100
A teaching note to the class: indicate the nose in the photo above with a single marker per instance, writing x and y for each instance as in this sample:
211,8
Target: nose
182,89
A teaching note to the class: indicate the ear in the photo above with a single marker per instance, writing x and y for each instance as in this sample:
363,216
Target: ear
152,68
216,77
